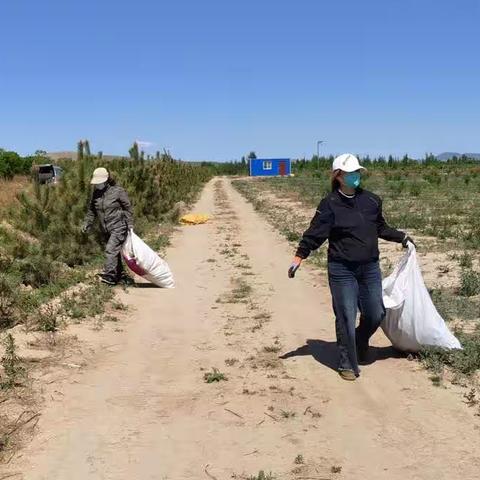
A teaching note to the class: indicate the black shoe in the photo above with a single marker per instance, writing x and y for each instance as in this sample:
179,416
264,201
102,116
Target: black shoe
363,355
107,279
125,279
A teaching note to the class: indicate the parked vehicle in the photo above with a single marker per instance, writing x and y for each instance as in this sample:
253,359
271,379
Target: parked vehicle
48,174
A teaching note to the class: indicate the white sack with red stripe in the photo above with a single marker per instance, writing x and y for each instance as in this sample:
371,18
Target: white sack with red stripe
143,261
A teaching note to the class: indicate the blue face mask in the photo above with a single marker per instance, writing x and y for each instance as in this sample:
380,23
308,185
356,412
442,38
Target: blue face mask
352,179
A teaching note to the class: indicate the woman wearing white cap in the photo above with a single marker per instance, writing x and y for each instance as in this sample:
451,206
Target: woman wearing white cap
110,204
351,219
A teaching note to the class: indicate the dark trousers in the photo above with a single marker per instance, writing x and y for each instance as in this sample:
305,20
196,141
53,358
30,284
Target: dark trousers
355,286
113,259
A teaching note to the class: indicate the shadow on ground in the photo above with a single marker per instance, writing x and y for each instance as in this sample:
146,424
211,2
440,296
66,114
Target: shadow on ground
145,285
326,353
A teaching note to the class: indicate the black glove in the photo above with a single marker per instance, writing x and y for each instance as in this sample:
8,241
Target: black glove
406,240
293,270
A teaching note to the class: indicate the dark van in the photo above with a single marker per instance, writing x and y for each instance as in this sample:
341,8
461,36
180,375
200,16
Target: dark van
48,174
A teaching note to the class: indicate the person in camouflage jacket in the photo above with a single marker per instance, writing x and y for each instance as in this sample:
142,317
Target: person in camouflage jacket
111,206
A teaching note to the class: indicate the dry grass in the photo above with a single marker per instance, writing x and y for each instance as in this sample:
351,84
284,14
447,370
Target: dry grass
9,190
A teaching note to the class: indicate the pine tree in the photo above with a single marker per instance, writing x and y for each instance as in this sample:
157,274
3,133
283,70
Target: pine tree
80,150
134,153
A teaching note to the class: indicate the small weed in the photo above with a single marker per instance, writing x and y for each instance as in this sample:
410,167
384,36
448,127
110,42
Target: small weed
465,260
120,306
214,376
292,236
242,290
436,380
272,348
262,476
336,469
299,460
231,362
211,260
287,414
471,398
11,363
46,319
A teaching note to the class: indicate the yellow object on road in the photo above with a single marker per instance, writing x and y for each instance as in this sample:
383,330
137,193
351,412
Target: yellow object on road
194,218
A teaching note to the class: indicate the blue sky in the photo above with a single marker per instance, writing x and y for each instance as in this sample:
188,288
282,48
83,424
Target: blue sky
214,79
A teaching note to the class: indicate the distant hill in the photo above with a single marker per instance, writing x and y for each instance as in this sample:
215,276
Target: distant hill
447,155
62,155
56,156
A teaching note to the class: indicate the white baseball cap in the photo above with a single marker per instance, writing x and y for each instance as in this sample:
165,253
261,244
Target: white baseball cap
347,163
100,175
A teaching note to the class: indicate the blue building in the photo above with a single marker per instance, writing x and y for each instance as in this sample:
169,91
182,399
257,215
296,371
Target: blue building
270,167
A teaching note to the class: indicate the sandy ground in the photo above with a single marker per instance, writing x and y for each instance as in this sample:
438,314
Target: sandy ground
140,408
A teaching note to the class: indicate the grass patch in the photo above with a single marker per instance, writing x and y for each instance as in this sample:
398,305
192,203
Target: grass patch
452,306
240,292
262,476
464,362
89,302
214,376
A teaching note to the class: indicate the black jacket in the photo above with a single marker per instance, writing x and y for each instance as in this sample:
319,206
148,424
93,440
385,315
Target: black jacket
112,207
352,227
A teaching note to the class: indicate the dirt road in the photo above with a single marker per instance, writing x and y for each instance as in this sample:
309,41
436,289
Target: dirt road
142,409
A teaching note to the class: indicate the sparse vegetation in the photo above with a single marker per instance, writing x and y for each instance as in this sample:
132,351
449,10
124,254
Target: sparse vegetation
87,303
262,476
272,348
13,370
214,376
465,362
299,460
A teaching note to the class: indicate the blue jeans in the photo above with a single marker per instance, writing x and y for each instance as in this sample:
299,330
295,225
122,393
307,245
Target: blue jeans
355,286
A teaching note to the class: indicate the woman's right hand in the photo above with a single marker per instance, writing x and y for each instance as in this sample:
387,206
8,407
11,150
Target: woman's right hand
296,262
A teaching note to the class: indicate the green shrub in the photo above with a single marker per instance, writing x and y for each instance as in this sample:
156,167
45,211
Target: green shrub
469,283
12,164
37,271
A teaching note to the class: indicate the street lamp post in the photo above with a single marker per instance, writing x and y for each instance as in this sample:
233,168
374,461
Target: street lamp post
319,142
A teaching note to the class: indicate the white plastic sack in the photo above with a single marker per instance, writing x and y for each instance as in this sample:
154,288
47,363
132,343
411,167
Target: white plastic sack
412,321
143,261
